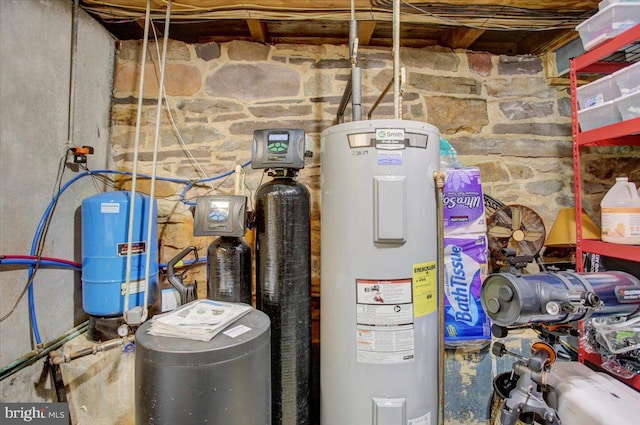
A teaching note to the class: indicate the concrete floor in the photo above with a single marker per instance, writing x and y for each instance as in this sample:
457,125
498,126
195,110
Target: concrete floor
100,387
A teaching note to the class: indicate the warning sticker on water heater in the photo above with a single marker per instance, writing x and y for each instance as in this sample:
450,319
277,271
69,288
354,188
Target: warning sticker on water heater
384,321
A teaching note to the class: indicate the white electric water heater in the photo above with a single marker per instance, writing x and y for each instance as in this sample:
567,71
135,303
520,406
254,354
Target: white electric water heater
379,330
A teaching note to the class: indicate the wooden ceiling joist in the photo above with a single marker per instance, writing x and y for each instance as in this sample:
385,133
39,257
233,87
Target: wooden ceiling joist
258,30
533,27
461,37
365,31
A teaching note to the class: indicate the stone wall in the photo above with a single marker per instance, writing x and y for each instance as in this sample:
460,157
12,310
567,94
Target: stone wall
497,111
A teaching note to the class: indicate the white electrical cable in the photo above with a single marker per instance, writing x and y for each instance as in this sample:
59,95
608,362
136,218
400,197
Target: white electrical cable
174,126
152,212
136,146
239,181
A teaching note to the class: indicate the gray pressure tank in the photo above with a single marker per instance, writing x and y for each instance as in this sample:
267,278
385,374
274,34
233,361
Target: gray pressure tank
225,381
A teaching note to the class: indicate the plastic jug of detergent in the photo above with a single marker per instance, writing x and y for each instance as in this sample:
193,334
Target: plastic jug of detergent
620,213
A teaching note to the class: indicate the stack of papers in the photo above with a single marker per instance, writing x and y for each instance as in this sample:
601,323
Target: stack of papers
200,320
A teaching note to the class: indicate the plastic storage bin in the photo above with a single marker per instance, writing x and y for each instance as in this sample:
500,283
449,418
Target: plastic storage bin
597,92
628,79
629,106
608,23
599,116
605,3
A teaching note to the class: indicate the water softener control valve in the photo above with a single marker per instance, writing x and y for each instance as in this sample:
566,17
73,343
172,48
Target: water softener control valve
220,215
279,149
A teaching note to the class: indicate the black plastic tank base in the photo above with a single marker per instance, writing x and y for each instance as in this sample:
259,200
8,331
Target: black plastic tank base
225,381
104,328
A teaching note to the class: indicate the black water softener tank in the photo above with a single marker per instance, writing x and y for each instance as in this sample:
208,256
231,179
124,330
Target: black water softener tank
224,381
283,269
229,270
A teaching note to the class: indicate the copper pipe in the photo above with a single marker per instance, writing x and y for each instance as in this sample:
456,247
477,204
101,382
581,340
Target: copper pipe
439,177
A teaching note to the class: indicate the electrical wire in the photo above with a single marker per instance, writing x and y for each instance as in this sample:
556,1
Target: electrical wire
183,144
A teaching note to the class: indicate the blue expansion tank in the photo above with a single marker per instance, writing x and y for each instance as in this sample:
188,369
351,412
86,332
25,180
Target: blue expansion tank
105,228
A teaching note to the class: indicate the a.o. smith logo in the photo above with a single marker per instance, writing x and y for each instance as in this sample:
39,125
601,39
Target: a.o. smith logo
390,134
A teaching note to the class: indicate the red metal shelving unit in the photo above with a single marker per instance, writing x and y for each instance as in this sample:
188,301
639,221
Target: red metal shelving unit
625,133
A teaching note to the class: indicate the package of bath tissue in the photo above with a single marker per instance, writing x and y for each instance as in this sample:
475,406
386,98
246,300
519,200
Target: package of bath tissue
466,266
463,202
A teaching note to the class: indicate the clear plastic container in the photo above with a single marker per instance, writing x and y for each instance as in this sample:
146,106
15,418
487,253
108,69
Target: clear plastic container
597,92
608,23
620,213
599,116
605,3
628,78
629,106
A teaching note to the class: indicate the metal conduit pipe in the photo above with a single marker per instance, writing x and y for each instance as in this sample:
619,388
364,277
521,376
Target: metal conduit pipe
396,59
356,96
353,90
353,33
356,71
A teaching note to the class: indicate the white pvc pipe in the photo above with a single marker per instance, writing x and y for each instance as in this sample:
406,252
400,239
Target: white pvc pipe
165,42
136,145
239,181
